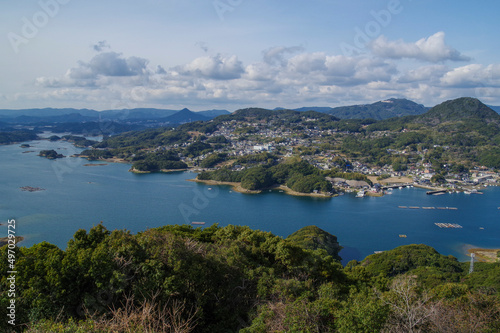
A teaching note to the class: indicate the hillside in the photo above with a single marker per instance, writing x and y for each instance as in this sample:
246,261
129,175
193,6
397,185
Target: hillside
465,108
379,110
184,116
235,279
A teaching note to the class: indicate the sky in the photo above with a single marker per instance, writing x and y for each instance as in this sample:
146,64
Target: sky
232,54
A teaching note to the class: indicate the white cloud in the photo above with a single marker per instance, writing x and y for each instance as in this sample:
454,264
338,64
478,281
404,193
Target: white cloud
473,75
433,49
102,66
276,55
424,74
280,78
214,67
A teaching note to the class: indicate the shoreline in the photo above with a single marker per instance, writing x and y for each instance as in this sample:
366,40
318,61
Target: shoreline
237,188
159,171
5,240
483,254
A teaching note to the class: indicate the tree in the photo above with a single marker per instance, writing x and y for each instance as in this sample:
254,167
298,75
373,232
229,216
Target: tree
410,309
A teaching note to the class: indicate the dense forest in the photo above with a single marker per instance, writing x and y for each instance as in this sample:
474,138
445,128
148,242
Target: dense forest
51,154
233,278
297,174
17,136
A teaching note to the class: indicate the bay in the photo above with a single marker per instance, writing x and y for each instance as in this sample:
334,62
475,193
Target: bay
78,196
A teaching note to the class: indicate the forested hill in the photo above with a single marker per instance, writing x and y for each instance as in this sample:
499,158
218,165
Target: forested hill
379,110
234,279
465,108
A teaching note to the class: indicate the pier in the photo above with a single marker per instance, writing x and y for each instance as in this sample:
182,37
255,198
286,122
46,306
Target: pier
436,192
387,187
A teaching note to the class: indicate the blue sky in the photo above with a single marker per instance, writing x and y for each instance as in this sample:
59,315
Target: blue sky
230,54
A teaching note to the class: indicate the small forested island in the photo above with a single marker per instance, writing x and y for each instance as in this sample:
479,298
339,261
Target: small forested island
234,279
31,189
25,145
50,154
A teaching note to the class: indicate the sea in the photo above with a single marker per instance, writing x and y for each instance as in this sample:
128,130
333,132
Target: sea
78,194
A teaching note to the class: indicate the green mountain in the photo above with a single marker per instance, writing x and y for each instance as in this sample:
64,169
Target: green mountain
465,108
379,110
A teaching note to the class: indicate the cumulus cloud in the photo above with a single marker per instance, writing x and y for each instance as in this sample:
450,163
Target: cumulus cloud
215,67
276,55
433,49
106,64
284,76
473,75
424,74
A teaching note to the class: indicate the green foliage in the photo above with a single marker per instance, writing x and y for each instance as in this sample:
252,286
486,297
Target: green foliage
17,136
166,160
50,154
297,174
308,183
405,258
213,159
256,178
313,238
221,279
197,148
217,139
79,141
438,178
490,158
96,154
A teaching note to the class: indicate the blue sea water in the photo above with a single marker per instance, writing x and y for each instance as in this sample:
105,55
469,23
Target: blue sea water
78,196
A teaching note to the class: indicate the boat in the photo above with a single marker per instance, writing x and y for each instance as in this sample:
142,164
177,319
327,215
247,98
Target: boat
360,194
402,236
198,223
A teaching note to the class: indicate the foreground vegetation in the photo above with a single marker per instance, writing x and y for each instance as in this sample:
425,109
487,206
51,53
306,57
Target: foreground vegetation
229,279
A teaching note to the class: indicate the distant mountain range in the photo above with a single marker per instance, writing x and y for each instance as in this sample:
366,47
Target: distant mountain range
394,107
381,110
26,116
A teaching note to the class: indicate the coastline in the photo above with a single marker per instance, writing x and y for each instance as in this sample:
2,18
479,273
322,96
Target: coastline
485,255
160,171
5,240
237,188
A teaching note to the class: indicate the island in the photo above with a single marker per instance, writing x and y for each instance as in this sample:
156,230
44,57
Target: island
31,189
50,154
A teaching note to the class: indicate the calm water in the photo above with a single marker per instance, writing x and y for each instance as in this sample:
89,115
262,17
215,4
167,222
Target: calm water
79,196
